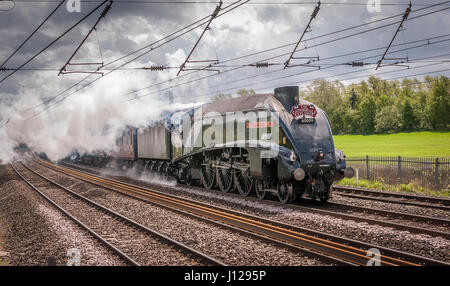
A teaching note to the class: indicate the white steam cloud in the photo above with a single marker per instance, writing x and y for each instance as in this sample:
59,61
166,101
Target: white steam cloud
89,120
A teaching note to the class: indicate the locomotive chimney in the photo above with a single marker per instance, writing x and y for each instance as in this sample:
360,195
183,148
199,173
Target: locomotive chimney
287,96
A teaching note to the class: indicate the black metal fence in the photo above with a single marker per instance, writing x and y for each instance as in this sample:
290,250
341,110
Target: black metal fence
432,173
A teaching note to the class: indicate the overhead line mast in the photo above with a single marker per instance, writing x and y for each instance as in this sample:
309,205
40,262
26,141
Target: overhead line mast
286,45
151,46
405,16
313,15
31,35
230,7
54,41
63,69
197,79
213,16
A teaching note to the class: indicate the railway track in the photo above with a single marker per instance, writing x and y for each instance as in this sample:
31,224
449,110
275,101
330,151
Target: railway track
344,211
335,249
391,197
134,243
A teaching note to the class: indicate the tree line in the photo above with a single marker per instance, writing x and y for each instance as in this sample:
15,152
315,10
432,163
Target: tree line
379,106
382,106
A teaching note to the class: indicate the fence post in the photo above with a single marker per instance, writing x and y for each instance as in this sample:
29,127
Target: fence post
437,172
367,167
357,176
400,169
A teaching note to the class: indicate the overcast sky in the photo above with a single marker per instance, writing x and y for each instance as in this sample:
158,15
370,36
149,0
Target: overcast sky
250,28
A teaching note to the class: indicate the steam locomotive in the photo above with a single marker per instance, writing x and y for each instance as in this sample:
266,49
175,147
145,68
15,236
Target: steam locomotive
277,144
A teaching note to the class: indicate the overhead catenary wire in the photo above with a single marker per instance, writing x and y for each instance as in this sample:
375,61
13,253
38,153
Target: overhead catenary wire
408,77
191,81
331,33
224,11
82,80
213,16
98,43
359,3
102,15
301,73
159,68
306,72
291,44
338,75
279,70
308,26
251,84
387,72
415,10
152,47
54,41
329,77
404,18
340,31
114,69
31,35
357,52
196,24
273,49
330,41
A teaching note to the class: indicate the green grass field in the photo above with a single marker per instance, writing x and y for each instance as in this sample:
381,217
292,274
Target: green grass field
415,144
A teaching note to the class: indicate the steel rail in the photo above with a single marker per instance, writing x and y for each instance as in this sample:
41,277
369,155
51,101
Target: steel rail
326,246
145,197
399,215
134,224
395,201
378,195
319,209
117,251
384,250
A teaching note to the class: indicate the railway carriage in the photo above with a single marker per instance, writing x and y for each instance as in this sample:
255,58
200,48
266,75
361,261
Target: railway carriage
126,151
276,144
